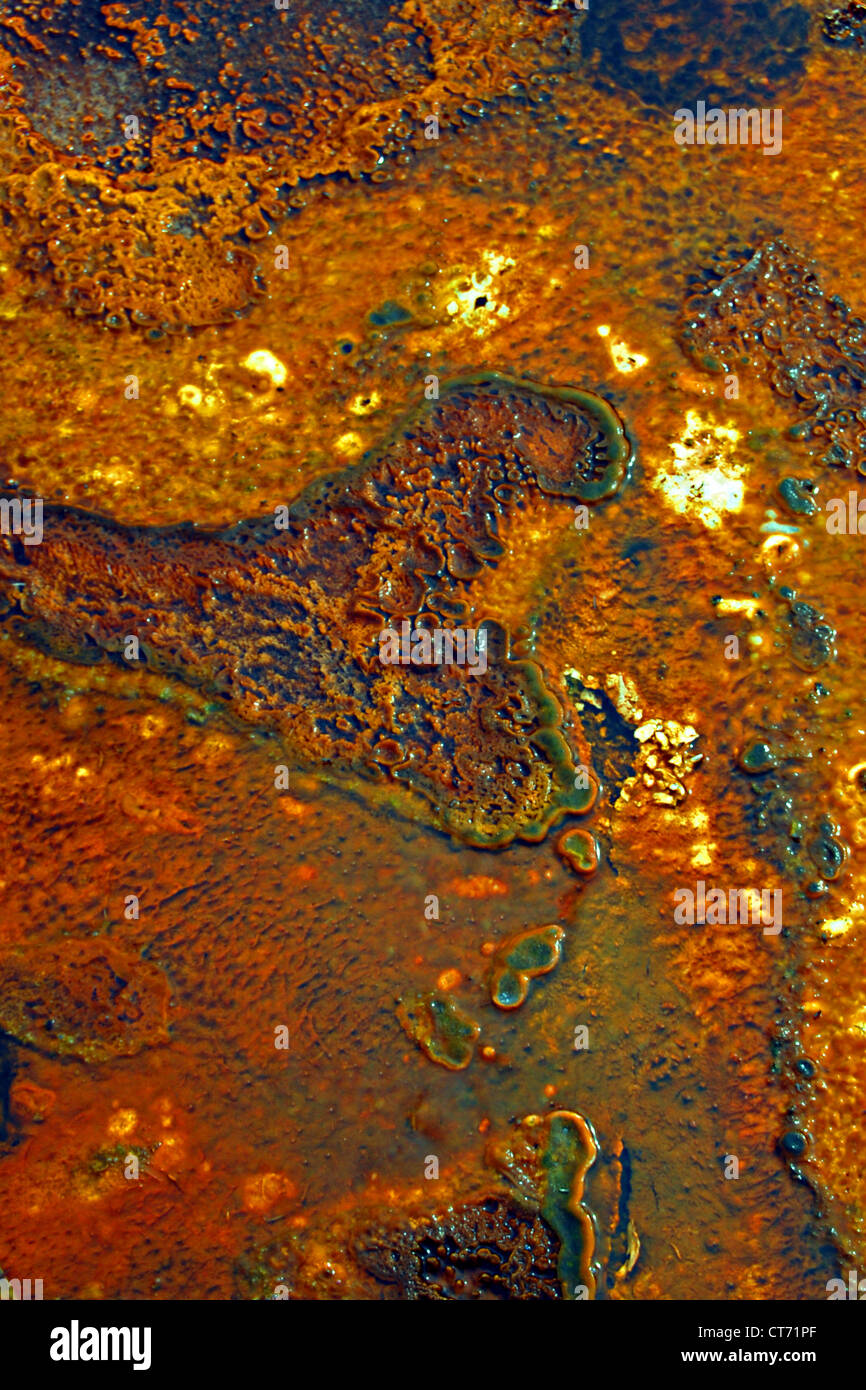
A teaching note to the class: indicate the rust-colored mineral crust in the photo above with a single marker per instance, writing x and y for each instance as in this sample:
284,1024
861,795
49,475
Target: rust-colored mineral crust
307,624
86,999
161,142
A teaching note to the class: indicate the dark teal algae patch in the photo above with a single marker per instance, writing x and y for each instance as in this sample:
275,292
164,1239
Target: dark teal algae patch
571,1150
444,1032
284,618
579,849
535,1240
523,958
547,1158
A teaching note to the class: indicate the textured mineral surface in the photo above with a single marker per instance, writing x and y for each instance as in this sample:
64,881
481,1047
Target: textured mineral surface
324,975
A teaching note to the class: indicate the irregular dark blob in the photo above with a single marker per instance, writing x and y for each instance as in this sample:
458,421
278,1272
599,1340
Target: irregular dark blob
794,1144
796,493
490,1250
389,315
846,25
827,851
621,1238
757,757
772,312
86,999
285,624
812,639
675,52
7,1075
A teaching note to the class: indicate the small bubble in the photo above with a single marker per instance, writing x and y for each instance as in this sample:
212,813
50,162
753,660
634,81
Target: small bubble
794,1143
